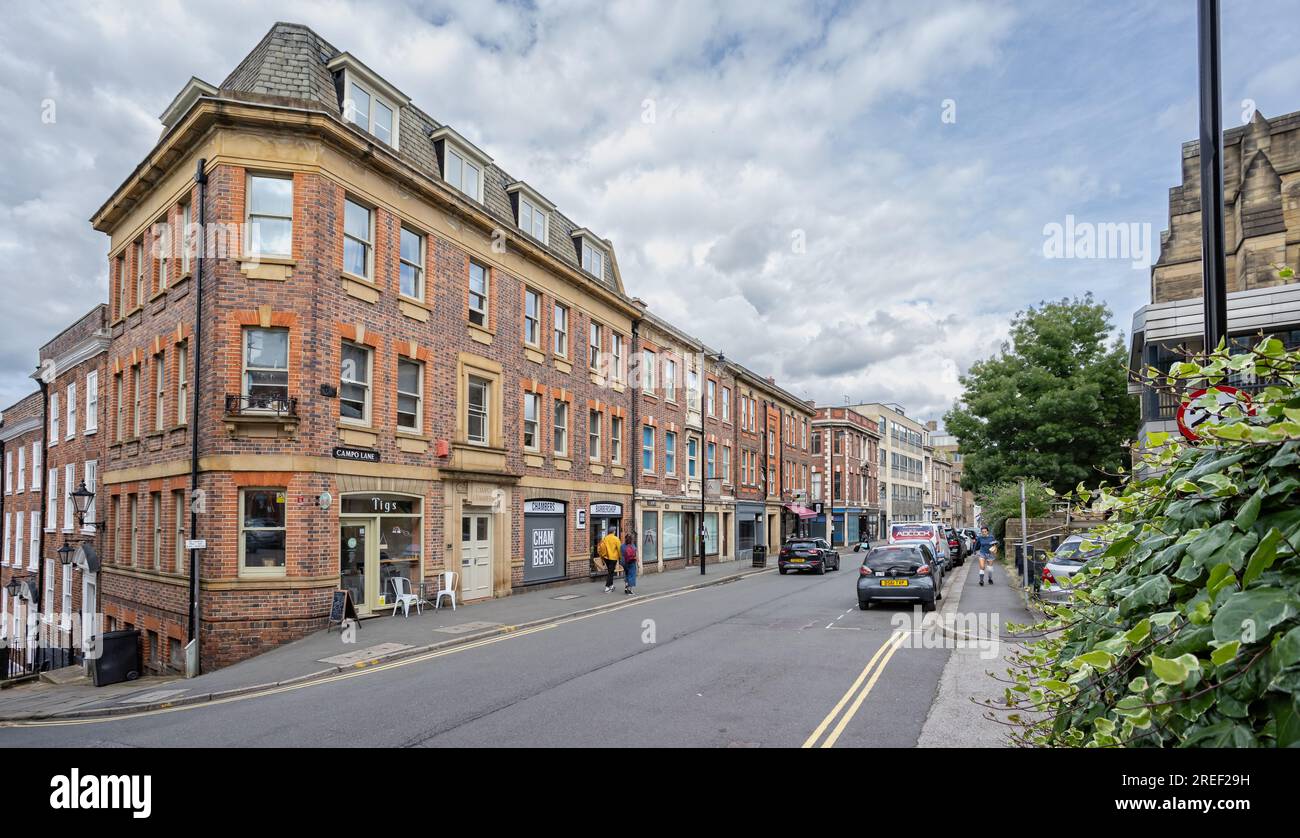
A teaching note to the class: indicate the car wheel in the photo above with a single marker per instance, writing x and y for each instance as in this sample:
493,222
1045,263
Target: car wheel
781,571
821,569
864,604
927,605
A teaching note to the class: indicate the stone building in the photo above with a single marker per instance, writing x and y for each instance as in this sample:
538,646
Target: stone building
1261,175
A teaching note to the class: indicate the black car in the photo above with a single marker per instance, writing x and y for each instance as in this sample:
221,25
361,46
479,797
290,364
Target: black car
807,554
900,573
956,546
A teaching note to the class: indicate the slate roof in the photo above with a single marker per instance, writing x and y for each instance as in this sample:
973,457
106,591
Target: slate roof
288,67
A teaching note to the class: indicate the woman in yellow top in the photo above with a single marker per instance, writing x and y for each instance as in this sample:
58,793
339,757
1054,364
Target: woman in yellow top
610,548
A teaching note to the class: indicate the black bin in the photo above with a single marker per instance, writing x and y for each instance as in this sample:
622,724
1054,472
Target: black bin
760,555
119,658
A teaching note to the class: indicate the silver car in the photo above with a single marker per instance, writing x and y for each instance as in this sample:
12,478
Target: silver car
1069,559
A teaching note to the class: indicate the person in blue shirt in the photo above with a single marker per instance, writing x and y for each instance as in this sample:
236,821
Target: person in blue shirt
987,546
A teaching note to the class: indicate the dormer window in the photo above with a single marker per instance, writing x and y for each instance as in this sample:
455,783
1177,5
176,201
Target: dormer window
532,211
593,260
463,164
532,219
369,102
464,174
592,252
369,113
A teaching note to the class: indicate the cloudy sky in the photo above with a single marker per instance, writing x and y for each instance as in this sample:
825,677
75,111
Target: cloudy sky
849,196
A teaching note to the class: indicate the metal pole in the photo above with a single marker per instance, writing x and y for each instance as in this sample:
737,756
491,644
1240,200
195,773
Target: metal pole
1024,539
1213,273
703,461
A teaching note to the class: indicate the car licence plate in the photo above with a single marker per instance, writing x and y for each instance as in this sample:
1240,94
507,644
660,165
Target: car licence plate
796,561
893,583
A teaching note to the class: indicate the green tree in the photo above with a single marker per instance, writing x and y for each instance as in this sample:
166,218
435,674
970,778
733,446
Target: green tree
1002,501
1052,405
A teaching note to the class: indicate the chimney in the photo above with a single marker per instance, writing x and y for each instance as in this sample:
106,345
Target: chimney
932,425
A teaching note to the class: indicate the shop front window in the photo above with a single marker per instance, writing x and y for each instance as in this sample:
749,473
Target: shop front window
672,535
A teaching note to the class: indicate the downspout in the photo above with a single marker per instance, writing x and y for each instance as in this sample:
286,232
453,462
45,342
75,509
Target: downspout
45,487
196,351
634,439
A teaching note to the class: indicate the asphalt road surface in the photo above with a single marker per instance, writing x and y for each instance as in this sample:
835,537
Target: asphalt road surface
768,661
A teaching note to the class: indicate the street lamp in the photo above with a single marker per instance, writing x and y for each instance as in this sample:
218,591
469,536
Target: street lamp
81,498
13,586
65,558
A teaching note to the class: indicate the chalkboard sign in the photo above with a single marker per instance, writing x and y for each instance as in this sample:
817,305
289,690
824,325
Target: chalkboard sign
342,608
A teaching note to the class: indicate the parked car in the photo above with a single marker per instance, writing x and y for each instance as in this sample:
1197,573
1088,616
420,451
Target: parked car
904,572
807,554
923,531
1070,557
956,546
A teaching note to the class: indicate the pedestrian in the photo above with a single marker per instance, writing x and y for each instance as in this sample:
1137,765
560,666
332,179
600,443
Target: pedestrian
988,545
629,564
611,549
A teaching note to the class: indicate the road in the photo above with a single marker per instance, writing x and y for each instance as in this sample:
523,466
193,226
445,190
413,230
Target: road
768,661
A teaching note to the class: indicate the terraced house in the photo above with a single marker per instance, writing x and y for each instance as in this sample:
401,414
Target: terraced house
22,508
687,439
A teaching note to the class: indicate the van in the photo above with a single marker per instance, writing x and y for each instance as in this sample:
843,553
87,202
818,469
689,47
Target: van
901,533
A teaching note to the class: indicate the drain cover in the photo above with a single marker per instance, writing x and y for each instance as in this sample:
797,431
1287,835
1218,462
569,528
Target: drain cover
467,627
366,654
567,596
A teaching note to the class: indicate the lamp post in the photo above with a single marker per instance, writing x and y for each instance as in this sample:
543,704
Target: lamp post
81,499
65,558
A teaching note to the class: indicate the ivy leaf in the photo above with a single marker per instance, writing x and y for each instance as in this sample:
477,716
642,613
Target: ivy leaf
1249,616
1154,591
1138,633
1249,511
1224,734
1225,652
1263,557
1220,576
1096,659
1174,671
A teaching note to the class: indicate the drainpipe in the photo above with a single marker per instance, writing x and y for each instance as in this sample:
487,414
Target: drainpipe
45,487
634,439
196,353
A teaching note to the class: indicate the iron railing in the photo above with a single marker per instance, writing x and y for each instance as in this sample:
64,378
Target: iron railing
240,405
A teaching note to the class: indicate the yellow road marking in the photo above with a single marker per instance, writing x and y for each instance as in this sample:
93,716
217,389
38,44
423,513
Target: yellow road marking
853,710
508,633
830,717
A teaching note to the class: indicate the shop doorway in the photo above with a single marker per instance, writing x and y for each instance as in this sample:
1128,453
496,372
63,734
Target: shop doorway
380,539
475,555
605,518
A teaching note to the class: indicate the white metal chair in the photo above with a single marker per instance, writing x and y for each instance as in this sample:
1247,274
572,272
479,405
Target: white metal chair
403,597
446,588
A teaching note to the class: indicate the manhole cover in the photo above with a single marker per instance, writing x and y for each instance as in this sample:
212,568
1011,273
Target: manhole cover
350,658
567,596
463,628
152,696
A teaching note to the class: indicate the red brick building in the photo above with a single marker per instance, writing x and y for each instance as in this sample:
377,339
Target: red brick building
846,446
410,362
21,509
687,438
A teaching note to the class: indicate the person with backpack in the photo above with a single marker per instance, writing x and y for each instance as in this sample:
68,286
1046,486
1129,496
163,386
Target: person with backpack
629,564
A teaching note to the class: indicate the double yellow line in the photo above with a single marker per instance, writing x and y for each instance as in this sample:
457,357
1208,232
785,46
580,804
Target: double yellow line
881,657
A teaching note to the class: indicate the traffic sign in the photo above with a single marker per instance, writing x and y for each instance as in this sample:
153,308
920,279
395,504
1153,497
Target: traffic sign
1192,417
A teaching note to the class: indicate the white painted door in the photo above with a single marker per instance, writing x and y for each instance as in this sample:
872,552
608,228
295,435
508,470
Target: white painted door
475,555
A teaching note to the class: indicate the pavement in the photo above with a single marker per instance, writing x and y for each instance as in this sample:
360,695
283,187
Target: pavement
377,640
751,659
961,716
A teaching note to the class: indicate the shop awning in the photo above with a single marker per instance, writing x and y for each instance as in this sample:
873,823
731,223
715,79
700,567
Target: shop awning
801,511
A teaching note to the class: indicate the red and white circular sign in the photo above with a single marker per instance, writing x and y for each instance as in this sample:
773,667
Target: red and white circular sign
1191,417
